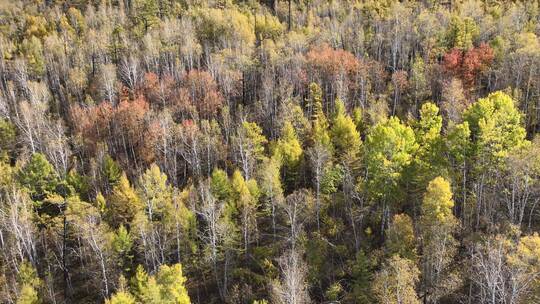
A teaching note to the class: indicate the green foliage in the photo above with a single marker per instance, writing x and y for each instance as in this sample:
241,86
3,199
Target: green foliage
166,287
389,150
79,183
122,245
344,134
495,125
255,137
362,273
32,50
215,25
268,27
316,256
462,33
319,122
458,142
331,179
39,177
7,138
334,292
400,239
111,170
156,194
288,147
220,185
123,204
146,14
29,283
121,297
430,157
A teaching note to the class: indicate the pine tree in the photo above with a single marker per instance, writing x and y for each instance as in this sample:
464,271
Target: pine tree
123,204
39,177
345,136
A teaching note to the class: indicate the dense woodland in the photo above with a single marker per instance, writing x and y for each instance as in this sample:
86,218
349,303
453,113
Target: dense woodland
287,152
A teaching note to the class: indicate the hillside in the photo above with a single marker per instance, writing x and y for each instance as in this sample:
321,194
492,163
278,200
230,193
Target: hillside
257,152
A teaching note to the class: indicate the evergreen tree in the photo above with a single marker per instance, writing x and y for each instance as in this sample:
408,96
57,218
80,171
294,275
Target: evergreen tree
345,137
123,204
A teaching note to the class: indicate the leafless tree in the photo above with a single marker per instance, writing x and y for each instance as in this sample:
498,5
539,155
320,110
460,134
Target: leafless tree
130,72
318,157
108,82
292,287
297,208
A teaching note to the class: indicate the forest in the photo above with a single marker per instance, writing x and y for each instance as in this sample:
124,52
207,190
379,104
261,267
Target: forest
270,151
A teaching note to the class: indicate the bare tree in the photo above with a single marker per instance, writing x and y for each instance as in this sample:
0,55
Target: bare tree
130,72
107,83
17,231
216,233
292,287
318,157
297,208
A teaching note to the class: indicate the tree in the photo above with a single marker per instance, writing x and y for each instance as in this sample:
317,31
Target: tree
297,208
29,282
292,288
345,137
217,233
147,12
123,204
395,282
121,297
39,177
496,131
506,269
7,137
319,128
271,189
461,33
454,102
429,160
199,90
122,244
288,146
249,145
468,64
289,150
245,196
318,157
400,238
389,150
108,82
167,286
439,247
518,186
495,125
334,69
362,272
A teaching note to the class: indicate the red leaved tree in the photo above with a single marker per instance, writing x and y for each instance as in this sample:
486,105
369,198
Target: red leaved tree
199,90
467,65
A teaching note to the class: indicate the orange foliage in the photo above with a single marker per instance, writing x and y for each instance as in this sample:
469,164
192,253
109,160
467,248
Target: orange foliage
158,91
330,63
123,127
199,90
466,65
